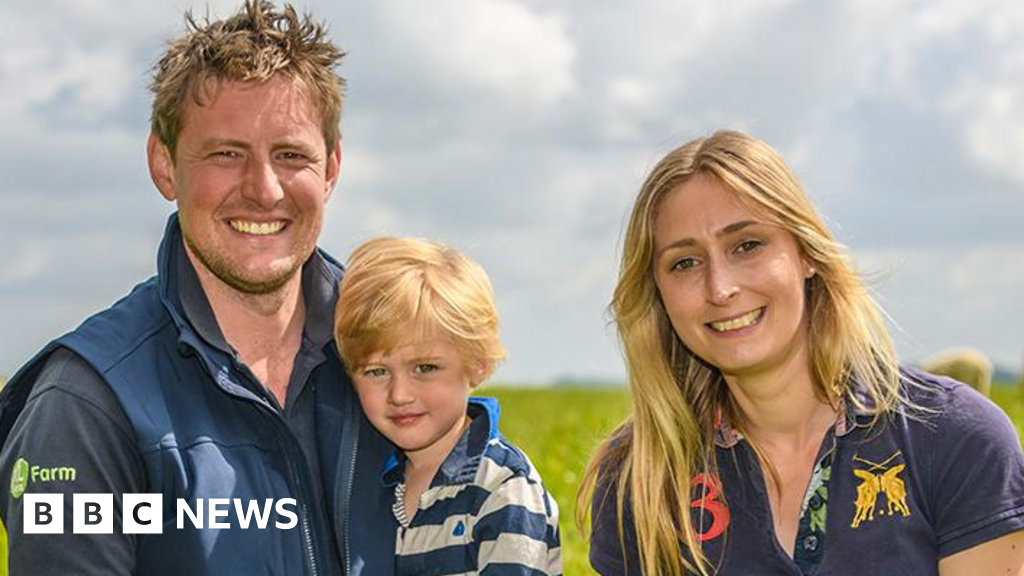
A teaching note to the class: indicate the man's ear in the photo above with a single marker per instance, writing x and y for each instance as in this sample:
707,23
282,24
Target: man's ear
333,172
161,166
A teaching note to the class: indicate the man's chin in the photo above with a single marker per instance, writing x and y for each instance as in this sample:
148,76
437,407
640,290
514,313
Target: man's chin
255,286
255,277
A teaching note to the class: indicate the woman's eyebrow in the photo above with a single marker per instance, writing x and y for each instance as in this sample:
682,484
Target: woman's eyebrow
724,231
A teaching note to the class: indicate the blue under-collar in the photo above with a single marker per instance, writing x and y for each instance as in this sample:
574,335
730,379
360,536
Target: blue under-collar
461,464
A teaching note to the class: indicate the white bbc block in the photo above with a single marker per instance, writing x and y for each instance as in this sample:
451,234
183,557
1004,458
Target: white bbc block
43,513
143,513
93,514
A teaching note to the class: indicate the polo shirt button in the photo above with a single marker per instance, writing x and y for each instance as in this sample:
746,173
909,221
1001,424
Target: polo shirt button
811,543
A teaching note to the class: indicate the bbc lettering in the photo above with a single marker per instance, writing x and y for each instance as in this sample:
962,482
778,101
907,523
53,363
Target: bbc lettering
143,513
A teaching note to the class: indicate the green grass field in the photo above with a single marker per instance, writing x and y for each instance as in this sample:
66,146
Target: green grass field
559,427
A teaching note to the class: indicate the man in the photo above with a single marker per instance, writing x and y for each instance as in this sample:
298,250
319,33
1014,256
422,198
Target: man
218,378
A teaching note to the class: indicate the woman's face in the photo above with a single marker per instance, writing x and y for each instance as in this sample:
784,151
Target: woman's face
731,281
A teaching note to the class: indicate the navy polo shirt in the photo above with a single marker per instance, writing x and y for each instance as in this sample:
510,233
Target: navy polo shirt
902,494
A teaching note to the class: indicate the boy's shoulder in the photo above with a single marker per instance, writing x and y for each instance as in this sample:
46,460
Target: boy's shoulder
499,458
501,462
507,475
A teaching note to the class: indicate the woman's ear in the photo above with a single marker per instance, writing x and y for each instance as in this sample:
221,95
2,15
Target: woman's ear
809,269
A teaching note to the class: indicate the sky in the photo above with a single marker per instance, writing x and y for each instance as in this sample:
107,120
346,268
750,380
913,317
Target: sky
519,131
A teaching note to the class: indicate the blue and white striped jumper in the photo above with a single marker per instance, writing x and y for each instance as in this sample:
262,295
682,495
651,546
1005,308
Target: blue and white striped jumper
486,512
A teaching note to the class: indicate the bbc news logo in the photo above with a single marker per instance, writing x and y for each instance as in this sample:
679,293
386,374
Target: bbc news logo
143,513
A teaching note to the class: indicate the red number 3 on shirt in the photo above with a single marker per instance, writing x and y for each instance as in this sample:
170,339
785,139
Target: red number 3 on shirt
710,504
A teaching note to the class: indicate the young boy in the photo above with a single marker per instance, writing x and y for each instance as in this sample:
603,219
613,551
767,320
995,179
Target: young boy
417,329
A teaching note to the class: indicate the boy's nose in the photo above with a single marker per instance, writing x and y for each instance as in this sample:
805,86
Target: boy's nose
400,391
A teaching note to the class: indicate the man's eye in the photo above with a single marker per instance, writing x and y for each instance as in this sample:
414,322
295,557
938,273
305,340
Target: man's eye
291,156
375,372
425,368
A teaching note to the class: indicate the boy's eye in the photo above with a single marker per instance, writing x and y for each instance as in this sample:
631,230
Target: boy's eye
425,368
375,372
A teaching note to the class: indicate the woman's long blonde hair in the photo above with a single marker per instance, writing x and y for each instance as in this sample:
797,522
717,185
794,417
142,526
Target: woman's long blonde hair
651,458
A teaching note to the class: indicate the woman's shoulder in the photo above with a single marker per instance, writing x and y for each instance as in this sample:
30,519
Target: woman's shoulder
973,458
612,455
953,409
942,393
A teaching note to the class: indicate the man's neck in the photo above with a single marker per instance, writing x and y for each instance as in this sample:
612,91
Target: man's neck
264,329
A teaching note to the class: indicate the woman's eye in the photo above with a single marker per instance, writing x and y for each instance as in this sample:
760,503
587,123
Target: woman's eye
425,368
748,246
684,263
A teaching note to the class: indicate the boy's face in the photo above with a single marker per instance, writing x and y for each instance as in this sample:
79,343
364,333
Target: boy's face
416,396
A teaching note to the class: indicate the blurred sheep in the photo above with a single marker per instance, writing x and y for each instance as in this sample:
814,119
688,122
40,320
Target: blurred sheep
968,365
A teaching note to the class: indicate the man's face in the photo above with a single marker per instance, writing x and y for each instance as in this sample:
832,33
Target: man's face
251,177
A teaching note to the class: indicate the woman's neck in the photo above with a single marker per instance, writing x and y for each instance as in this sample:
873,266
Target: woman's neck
781,409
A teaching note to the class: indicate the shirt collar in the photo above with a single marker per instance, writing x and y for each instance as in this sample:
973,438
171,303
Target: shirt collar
849,417
319,290
461,464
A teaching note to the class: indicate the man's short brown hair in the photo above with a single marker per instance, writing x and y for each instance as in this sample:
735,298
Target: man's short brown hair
252,46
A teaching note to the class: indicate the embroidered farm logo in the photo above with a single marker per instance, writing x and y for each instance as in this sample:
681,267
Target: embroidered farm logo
879,478
23,473
708,489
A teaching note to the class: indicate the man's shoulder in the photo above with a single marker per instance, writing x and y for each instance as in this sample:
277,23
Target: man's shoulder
67,384
65,370
111,334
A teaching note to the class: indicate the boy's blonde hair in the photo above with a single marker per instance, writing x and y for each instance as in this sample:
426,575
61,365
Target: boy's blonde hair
392,284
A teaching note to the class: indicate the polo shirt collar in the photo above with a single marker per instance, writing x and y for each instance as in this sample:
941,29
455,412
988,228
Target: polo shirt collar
319,290
850,416
462,463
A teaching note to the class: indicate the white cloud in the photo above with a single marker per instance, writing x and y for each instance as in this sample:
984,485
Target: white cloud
519,131
497,48
988,270
24,263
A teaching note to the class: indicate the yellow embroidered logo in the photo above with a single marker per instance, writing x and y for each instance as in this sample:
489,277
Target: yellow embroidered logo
885,481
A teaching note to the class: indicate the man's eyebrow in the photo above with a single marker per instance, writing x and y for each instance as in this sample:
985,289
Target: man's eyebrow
724,231
297,145
225,142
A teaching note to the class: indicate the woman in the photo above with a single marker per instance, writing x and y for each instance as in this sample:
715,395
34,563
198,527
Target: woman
773,431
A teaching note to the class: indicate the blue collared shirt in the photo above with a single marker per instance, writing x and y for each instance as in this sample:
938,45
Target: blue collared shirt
486,507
